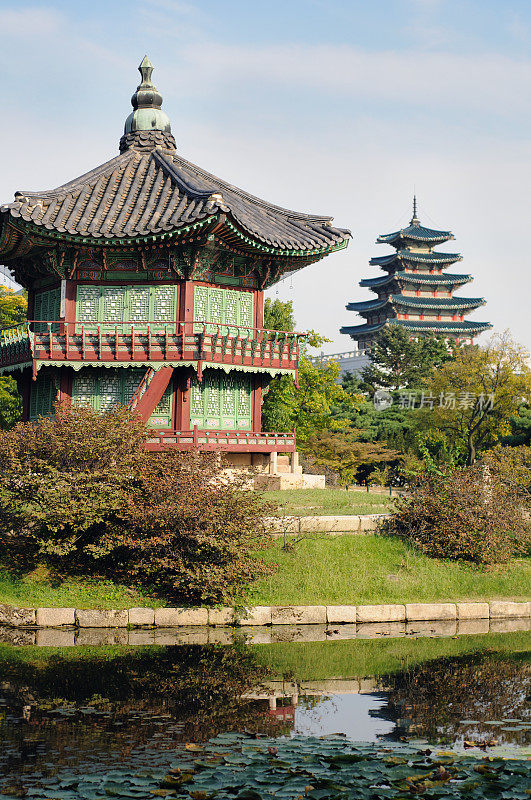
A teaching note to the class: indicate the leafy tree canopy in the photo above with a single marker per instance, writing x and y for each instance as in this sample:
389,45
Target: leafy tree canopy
13,311
477,393
13,308
398,361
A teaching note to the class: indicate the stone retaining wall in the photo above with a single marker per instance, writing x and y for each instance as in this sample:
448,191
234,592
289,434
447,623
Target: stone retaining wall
339,524
14,617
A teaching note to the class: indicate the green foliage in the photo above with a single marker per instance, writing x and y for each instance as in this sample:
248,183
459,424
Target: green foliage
13,311
520,424
399,361
307,408
487,385
475,513
10,403
344,454
13,308
278,316
80,494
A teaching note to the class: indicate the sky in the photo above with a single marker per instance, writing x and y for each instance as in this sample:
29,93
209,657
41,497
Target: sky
336,107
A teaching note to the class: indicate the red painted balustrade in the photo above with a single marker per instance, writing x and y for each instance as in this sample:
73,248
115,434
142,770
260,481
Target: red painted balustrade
154,341
225,441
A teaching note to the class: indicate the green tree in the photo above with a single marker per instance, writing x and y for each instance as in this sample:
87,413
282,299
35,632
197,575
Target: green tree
13,311
477,393
520,427
278,315
398,361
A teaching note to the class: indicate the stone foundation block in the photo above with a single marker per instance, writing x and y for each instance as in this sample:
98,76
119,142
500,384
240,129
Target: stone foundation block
55,617
55,637
329,524
173,617
102,618
282,524
427,611
368,685
294,615
341,614
141,616
372,522
220,616
504,608
383,613
16,617
254,615
472,611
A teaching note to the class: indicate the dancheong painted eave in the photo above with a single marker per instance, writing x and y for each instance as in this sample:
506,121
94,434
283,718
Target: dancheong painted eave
465,328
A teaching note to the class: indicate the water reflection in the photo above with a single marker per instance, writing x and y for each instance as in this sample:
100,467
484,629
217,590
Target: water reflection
95,708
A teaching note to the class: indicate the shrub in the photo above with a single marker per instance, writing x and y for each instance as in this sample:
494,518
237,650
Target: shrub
80,494
468,513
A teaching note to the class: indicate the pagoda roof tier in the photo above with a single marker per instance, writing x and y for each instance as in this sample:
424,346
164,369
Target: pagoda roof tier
415,232
150,191
420,326
416,258
436,303
448,303
444,279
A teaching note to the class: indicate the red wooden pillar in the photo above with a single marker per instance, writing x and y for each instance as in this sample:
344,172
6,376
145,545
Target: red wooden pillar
186,315
65,387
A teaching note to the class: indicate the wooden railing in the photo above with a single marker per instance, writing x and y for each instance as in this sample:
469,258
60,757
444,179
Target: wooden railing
226,441
150,341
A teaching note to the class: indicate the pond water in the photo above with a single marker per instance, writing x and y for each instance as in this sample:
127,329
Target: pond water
92,710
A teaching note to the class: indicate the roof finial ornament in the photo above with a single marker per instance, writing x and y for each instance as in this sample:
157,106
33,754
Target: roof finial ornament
147,102
414,219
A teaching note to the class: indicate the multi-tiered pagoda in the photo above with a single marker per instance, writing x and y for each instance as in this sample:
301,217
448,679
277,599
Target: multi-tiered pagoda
145,282
415,292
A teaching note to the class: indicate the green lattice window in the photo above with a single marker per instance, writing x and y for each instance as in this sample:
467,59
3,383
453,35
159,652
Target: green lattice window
223,306
104,389
222,401
118,306
43,395
47,305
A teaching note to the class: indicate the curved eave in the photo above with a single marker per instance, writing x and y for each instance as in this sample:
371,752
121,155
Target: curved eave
367,305
445,327
448,279
355,330
406,256
416,233
228,234
437,303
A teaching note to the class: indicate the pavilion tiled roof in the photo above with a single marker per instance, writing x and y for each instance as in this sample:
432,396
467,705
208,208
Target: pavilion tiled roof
448,303
140,193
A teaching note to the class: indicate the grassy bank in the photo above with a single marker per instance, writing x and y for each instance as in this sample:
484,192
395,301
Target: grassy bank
377,569
37,590
316,571
304,502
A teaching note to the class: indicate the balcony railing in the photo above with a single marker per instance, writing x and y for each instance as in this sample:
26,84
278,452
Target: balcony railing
149,341
226,441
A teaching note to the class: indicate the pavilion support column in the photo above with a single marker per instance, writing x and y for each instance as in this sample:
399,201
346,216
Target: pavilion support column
294,461
65,388
273,463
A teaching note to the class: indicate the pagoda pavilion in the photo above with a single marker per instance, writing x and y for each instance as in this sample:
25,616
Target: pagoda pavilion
145,282
415,292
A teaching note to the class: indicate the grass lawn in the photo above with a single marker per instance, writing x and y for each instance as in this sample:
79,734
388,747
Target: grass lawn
36,591
304,502
377,569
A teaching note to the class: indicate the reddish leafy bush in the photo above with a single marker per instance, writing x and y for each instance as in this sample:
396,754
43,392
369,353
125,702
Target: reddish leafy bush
476,514
81,495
